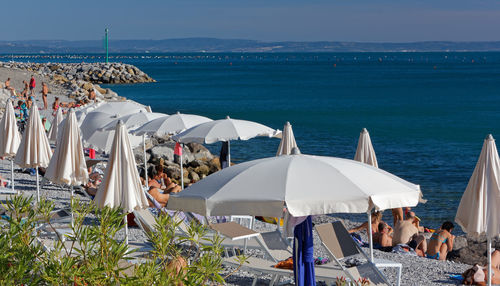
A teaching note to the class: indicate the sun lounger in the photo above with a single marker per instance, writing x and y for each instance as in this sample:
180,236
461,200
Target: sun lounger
337,240
261,266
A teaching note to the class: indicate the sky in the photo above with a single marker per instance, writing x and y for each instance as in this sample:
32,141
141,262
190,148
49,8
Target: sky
265,20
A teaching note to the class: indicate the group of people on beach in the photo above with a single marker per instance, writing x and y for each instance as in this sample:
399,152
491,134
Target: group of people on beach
408,235
159,185
27,96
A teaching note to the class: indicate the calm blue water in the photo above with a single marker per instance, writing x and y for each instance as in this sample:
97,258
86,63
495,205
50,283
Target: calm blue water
427,113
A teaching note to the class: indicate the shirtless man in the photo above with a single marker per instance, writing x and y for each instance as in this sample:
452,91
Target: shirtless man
405,232
10,88
45,91
382,237
441,242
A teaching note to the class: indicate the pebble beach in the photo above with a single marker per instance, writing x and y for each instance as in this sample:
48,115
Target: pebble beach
416,270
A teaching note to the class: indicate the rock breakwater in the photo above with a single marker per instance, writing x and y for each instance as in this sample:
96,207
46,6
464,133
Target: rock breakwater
100,73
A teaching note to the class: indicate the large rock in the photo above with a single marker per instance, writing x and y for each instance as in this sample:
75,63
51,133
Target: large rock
163,151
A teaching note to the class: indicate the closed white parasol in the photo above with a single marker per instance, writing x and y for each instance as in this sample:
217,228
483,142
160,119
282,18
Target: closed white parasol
121,186
54,127
34,150
67,165
9,137
479,209
365,152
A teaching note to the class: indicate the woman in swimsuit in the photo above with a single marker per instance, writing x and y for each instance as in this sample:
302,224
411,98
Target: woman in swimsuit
441,242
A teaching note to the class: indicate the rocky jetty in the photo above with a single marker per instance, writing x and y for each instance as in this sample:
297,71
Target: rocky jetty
80,78
100,73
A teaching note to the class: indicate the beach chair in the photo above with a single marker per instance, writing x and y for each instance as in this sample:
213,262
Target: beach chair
339,244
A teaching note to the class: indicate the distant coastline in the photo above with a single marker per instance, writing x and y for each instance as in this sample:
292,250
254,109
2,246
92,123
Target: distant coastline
213,45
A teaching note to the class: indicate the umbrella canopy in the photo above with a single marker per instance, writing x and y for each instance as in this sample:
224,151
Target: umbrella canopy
121,185
172,124
67,165
82,111
34,150
9,135
365,152
133,120
101,140
58,118
287,142
479,209
263,187
120,108
223,130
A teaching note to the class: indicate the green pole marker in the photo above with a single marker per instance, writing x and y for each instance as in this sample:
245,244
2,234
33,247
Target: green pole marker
106,44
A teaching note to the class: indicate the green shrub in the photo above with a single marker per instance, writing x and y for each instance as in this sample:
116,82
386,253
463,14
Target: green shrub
92,255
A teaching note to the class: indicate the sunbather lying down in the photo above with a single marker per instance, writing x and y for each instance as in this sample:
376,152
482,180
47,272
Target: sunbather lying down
160,180
478,275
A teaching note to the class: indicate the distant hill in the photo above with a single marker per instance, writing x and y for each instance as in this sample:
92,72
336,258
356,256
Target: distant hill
233,45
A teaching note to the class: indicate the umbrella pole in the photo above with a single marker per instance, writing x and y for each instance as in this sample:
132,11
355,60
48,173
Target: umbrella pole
228,153
182,169
126,229
488,251
370,235
37,186
12,174
145,162
71,205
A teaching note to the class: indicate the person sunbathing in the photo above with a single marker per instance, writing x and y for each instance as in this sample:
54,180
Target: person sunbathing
382,239
405,232
478,275
156,193
92,185
441,242
376,219
160,180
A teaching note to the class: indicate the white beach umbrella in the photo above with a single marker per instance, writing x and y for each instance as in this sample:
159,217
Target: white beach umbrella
365,152
9,137
34,150
287,142
120,107
223,130
172,124
82,111
121,185
263,187
54,127
101,140
133,121
67,165
479,209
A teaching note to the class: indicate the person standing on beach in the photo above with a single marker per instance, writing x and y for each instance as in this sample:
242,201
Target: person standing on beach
24,94
45,91
32,85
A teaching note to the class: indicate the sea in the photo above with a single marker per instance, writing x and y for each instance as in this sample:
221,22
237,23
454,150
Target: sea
427,113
